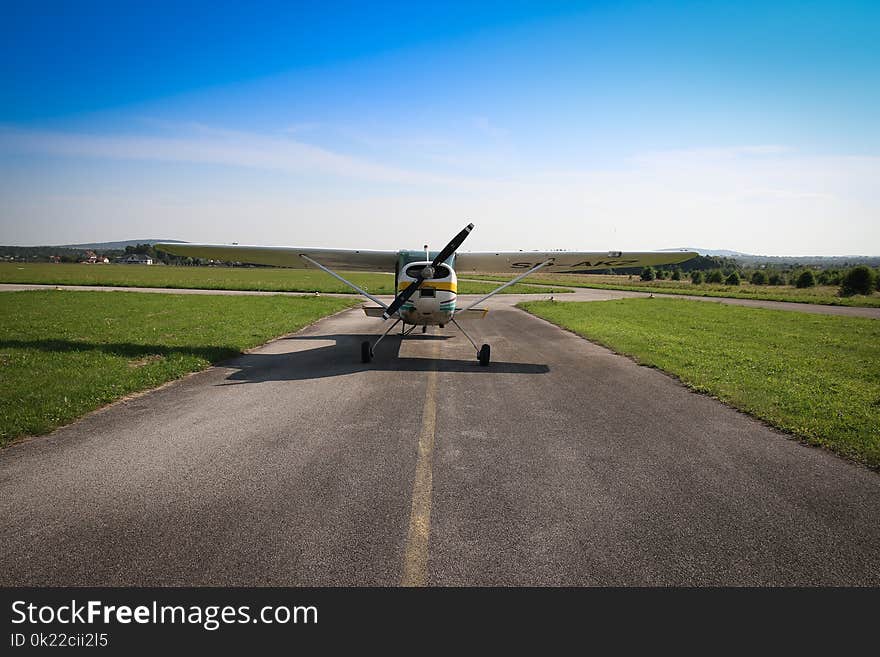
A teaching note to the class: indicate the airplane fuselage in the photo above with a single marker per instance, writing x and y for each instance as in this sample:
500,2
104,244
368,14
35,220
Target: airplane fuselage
434,302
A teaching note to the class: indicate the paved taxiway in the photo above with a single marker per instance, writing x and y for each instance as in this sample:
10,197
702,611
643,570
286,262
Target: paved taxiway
561,463
576,294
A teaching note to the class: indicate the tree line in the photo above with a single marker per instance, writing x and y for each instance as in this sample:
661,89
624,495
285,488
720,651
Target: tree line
856,280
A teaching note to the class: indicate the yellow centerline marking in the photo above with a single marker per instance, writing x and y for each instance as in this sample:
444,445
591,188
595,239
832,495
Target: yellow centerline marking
415,563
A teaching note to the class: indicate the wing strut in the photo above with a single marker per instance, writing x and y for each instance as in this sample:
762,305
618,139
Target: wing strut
338,277
548,261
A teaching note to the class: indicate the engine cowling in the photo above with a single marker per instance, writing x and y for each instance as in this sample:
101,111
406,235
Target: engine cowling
434,302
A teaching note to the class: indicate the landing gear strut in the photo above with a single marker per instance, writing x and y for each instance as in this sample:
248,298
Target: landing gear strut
367,351
482,352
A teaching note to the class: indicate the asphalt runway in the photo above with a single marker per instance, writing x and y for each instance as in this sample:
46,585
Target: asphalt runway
561,463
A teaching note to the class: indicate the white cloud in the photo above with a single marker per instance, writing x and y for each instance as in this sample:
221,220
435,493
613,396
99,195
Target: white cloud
753,198
695,155
211,146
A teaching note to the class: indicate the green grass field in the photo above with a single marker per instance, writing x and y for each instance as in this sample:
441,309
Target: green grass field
220,278
815,376
63,354
825,295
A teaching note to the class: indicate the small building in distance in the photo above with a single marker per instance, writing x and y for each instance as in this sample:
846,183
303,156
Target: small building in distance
136,259
91,258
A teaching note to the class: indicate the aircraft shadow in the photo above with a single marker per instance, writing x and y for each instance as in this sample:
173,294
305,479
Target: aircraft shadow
337,359
343,357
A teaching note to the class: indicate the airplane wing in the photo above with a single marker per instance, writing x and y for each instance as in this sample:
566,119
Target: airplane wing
564,261
287,256
386,261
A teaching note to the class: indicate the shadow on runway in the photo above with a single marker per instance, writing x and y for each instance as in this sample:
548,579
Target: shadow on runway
343,357
337,359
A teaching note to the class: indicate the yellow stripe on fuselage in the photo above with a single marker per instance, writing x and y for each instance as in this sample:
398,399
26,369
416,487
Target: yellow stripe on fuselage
447,286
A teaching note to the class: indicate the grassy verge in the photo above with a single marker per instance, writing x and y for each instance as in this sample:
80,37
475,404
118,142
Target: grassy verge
815,376
220,278
63,354
824,295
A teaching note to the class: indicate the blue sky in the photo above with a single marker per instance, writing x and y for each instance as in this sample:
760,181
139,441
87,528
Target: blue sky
382,125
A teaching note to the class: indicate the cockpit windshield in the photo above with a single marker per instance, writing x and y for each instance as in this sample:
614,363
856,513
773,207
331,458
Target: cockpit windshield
440,271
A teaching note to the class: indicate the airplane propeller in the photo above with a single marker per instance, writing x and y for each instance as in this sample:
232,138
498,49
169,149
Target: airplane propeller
427,272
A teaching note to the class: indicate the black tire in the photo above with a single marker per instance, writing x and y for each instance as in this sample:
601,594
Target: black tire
483,356
366,356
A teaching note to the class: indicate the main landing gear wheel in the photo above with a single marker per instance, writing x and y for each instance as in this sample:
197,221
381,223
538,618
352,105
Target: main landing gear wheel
483,356
366,356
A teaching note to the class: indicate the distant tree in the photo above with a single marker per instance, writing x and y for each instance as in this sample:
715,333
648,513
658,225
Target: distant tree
776,278
648,274
696,277
705,263
759,278
145,249
732,279
858,280
715,276
676,274
805,279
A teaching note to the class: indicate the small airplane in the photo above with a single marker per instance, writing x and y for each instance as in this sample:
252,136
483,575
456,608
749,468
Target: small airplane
431,275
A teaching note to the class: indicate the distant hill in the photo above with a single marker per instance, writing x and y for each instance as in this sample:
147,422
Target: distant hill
113,246
725,253
749,259
811,261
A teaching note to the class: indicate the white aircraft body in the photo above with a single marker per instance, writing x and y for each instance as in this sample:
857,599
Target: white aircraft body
425,282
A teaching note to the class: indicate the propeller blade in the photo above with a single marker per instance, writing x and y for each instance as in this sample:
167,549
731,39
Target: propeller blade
402,298
408,291
453,245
